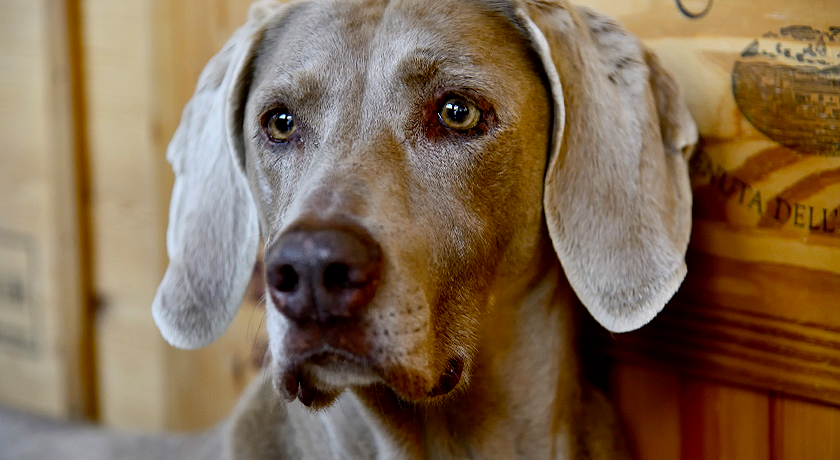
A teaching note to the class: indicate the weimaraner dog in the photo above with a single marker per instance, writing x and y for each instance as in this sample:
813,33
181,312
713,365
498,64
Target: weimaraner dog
436,184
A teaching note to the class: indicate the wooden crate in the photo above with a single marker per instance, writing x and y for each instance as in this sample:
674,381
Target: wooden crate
744,363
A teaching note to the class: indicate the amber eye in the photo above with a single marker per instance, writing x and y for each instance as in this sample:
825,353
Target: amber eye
459,114
279,125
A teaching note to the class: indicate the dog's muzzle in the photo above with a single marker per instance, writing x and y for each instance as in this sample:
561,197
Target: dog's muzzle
323,278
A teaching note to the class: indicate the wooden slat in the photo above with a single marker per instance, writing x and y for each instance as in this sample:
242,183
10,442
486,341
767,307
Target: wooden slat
143,62
763,326
127,229
73,196
724,423
793,294
805,431
648,402
42,292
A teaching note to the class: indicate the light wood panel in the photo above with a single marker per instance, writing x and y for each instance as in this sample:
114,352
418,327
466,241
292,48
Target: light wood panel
42,294
143,62
127,227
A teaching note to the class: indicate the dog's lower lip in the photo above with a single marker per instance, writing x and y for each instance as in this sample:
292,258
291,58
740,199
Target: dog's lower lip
334,357
293,380
290,382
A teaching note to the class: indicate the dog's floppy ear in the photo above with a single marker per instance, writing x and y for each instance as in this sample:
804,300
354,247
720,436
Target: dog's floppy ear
617,196
213,234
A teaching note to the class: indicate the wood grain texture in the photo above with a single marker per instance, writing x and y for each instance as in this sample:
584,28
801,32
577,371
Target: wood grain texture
67,50
724,423
805,431
755,200
764,326
41,277
758,317
648,402
729,346
144,61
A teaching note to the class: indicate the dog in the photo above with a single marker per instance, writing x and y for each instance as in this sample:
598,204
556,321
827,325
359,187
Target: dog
435,184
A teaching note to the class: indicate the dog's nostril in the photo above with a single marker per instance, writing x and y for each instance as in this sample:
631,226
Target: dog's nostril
286,279
337,276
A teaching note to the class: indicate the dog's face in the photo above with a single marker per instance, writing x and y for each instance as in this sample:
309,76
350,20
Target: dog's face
427,146
407,163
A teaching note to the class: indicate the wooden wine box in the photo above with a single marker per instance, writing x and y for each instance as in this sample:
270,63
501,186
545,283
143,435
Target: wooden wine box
745,361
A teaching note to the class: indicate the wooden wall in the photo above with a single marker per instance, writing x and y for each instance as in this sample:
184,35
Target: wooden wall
90,93
44,351
142,62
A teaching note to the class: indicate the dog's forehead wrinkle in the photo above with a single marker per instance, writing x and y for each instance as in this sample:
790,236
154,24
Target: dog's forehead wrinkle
308,48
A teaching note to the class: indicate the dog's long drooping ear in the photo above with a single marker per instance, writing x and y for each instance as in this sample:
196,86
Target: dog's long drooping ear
617,195
213,234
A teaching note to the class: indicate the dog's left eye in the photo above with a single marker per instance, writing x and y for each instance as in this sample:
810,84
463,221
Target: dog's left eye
459,114
279,125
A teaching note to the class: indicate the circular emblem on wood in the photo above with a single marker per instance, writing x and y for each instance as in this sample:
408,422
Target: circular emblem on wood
787,84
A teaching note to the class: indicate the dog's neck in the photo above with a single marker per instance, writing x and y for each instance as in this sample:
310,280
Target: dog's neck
524,388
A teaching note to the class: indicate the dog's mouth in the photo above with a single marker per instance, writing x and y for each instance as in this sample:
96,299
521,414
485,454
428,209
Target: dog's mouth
318,378
450,379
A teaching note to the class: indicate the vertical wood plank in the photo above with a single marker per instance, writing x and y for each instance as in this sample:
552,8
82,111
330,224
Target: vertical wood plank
128,232
804,430
724,423
143,63
73,194
648,402
41,288
63,245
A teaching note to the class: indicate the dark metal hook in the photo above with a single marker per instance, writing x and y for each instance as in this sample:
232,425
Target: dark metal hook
691,14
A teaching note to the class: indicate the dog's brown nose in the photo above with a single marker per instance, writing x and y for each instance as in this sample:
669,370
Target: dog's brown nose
323,275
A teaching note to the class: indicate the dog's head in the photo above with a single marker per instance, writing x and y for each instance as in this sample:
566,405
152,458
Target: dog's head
406,161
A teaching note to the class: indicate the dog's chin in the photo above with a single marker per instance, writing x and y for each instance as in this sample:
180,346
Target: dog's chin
320,379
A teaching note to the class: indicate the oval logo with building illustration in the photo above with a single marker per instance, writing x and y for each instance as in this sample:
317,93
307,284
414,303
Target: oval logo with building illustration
787,84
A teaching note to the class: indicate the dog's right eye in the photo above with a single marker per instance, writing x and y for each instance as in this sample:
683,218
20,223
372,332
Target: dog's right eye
279,125
459,114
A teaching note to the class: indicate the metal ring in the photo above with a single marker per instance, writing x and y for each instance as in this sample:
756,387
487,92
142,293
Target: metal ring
692,15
